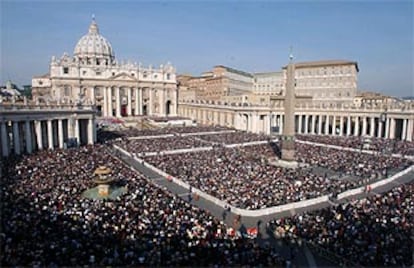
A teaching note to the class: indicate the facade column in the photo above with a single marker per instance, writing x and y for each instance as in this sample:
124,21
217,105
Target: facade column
141,101
28,137
117,102
174,104
356,126
60,133
306,124
16,137
149,106
4,140
137,100
372,127
77,136
93,97
50,134
281,124
161,101
39,138
348,126
105,103
326,125
334,125
129,106
90,131
392,128
110,109
341,125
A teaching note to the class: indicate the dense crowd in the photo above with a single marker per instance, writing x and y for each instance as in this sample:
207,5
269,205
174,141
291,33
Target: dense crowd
369,143
243,177
350,162
46,221
376,231
234,138
138,146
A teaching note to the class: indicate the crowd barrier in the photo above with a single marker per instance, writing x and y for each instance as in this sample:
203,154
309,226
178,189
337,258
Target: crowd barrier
264,211
151,137
206,133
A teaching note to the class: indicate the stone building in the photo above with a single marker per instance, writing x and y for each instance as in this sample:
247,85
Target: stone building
118,89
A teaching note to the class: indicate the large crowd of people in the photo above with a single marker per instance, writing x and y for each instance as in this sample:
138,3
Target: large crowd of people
234,138
46,221
243,177
350,162
375,232
368,143
139,146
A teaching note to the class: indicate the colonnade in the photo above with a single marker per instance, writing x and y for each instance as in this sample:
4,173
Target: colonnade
25,136
391,125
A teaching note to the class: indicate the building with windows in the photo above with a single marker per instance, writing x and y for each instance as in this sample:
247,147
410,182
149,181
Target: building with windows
93,75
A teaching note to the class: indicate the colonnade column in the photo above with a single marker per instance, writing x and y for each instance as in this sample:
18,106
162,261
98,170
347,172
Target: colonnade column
60,133
348,126
341,125
392,128
387,128
364,126
334,125
313,125
326,125
356,126
39,138
372,127
379,130
129,106
319,124
306,124
16,137
300,124
117,102
4,140
28,137
410,130
49,134
404,129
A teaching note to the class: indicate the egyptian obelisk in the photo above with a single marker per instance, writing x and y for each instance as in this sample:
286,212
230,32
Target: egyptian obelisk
288,136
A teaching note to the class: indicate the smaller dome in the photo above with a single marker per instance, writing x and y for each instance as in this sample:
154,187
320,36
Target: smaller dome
93,45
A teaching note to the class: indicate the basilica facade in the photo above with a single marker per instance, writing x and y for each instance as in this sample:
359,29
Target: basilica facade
94,76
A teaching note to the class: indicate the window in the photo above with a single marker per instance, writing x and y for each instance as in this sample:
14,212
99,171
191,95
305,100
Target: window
98,73
168,76
132,74
65,70
155,76
113,73
83,72
145,75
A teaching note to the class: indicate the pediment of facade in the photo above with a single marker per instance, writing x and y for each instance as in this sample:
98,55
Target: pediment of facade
123,77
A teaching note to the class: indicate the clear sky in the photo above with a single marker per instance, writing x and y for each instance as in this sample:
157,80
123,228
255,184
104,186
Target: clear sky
252,36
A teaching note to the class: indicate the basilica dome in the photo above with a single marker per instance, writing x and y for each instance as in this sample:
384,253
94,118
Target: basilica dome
93,48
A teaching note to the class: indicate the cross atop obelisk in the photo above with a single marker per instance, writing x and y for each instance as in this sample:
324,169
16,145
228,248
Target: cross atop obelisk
288,136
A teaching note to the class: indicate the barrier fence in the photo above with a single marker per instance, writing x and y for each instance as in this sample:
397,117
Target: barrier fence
265,211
